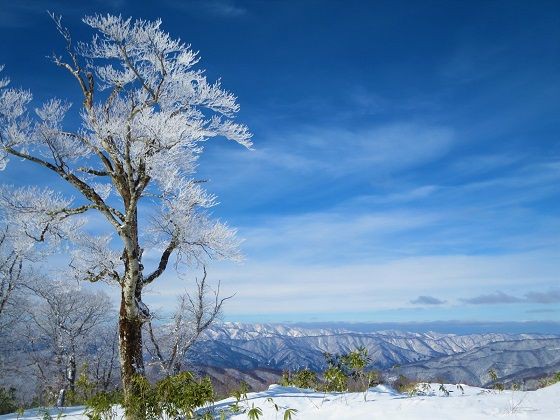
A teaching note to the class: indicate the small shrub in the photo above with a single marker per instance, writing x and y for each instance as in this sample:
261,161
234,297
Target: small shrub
8,403
271,401
46,415
356,361
174,396
208,415
551,380
102,406
241,392
335,379
350,366
444,390
405,385
179,395
494,378
254,413
143,402
422,388
304,378
236,408
373,378
84,388
286,378
289,413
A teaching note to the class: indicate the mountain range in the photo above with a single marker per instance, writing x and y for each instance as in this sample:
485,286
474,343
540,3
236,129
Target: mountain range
425,356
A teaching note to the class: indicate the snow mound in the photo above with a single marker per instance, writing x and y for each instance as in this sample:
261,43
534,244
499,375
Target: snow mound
383,389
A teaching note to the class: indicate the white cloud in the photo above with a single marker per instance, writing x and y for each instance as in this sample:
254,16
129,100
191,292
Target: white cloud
387,148
276,287
330,151
335,235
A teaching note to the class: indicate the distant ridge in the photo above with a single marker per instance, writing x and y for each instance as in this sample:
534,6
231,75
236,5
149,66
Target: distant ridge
444,327
457,358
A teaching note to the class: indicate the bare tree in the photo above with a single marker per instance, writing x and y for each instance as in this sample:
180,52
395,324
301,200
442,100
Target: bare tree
66,320
14,253
11,264
145,113
102,364
170,341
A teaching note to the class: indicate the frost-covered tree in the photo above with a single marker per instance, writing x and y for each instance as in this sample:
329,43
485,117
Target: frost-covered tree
65,322
19,237
145,115
194,314
20,251
11,274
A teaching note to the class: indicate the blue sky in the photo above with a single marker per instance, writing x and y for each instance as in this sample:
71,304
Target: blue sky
407,154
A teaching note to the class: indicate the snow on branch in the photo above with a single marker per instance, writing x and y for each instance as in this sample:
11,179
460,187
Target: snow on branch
94,259
41,215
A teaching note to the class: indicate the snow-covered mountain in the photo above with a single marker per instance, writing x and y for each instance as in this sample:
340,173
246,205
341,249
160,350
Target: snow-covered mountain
514,361
459,358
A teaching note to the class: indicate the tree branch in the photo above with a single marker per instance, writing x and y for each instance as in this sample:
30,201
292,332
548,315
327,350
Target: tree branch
70,212
93,172
158,354
76,71
80,185
162,262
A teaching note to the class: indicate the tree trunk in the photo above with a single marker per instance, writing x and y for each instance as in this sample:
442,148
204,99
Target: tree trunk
71,372
69,380
61,399
130,346
130,317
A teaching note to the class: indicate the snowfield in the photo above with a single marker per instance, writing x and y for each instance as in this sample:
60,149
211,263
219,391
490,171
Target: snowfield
382,402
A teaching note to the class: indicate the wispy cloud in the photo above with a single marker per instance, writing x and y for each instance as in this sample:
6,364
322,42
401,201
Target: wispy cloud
551,296
469,63
335,152
492,298
427,300
280,285
541,311
389,148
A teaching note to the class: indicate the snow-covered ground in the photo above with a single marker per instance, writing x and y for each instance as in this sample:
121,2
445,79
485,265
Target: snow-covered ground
383,402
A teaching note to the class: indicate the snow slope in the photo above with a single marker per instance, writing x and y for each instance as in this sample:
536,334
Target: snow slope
384,403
